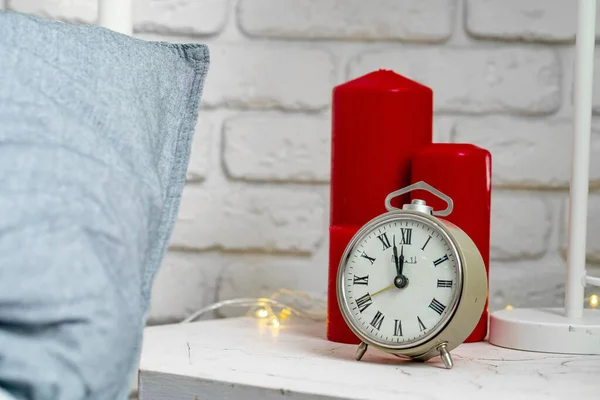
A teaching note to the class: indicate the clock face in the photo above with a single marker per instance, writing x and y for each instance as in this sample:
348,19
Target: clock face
401,281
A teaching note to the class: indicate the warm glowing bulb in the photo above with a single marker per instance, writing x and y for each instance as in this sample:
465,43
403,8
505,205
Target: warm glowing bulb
284,313
594,300
275,323
508,307
262,313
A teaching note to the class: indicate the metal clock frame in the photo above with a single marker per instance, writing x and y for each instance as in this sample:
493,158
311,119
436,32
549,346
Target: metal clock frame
361,235
469,298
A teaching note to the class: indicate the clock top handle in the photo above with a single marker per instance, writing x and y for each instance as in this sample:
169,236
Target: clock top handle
421,185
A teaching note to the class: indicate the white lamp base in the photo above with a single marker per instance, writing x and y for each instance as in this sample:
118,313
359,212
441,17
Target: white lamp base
546,330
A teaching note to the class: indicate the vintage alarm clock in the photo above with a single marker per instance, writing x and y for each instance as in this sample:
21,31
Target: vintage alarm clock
410,283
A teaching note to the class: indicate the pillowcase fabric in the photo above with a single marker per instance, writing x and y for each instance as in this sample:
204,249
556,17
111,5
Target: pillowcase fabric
95,134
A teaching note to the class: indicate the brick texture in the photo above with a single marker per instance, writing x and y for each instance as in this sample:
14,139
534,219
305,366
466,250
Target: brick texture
527,283
180,16
521,226
442,129
596,83
64,10
204,17
276,76
258,276
476,80
593,229
413,20
593,244
531,20
250,218
200,157
185,283
277,148
526,153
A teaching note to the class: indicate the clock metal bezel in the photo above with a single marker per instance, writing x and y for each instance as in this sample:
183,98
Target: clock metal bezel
397,215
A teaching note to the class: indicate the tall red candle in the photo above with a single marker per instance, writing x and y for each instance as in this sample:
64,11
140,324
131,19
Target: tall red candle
379,122
463,172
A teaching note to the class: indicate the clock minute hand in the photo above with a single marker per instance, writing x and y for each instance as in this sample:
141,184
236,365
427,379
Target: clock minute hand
401,261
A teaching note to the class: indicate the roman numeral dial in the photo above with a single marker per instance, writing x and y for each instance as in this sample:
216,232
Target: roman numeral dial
440,260
443,283
364,302
426,242
371,259
436,306
375,303
397,327
405,236
385,241
377,320
422,326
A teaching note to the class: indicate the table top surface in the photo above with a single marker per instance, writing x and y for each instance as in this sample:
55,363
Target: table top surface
298,361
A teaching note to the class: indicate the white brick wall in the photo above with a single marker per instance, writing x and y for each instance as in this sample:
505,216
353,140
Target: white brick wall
269,76
277,148
530,20
475,79
528,153
254,215
415,20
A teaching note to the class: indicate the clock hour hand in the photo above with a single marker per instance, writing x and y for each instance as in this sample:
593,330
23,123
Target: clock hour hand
400,281
401,261
398,270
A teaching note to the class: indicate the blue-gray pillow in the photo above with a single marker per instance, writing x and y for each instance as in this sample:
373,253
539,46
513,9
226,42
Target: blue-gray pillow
95,133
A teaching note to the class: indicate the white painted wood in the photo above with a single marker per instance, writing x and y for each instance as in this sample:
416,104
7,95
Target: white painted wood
239,358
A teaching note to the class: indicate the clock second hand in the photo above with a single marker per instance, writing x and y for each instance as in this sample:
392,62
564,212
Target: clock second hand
382,290
402,284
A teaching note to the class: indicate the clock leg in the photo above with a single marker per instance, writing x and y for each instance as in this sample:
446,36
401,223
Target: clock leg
445,356
360,351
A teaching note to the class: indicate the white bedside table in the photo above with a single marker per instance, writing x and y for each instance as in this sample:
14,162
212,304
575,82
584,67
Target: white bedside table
240,358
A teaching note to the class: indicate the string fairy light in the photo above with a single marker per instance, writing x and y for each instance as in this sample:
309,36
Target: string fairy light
593,301
280,306
262,313
283,304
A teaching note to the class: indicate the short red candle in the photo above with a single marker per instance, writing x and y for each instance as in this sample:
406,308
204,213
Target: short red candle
379,122
463,172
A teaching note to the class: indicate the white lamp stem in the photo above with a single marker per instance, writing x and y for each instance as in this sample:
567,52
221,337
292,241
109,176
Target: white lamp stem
572,330
580,164
116,15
